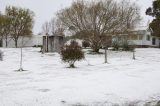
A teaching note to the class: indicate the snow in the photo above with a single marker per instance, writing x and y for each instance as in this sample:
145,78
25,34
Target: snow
49,83
79,41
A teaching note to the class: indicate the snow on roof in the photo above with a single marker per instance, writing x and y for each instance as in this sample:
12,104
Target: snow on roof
141,28
137,29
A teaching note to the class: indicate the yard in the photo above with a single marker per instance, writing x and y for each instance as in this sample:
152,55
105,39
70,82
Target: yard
48,81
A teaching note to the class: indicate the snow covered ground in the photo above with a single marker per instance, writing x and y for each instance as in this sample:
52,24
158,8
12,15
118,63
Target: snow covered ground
49,83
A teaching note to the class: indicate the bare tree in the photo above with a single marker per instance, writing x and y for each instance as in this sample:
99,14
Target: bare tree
2,21
98,18
5,28
57,27
53,27
21,22
46,28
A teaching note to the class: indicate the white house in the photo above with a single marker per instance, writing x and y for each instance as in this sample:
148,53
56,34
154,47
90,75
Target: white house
35,40
143,38
139,37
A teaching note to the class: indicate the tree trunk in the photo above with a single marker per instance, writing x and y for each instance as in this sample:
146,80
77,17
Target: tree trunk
16,43
6,42
71,65
96,50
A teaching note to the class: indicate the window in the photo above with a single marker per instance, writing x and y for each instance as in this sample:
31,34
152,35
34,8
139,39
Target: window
148,37
153,41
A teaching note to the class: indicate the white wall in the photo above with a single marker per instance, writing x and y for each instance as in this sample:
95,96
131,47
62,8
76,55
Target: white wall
157,41
144,40
27,42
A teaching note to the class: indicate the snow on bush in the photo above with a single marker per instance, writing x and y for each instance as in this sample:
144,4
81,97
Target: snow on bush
77,40
72,53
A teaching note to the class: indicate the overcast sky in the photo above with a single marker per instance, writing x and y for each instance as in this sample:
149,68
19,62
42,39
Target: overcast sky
46,9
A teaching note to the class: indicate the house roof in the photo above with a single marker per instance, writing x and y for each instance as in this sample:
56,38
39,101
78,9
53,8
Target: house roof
141,28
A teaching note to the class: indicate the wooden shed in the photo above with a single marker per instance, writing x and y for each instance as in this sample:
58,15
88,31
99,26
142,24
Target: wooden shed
53,43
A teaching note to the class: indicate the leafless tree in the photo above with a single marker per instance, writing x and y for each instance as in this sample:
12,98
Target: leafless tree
99,18
57,27
46,28
21,22
4,28
53,27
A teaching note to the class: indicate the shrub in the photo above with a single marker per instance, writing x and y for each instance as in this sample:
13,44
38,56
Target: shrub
126,46
37,46
72,53
85,44
73,42
115,45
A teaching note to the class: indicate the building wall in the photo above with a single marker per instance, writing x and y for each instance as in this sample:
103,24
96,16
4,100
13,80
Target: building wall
37,40
139,38
52,43
144,41
27,41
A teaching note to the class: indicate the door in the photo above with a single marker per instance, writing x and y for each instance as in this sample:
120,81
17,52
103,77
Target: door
153,41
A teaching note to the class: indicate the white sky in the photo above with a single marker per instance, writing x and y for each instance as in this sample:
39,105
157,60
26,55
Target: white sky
46,9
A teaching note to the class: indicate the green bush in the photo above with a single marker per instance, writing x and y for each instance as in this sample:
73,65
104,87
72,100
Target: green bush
72,53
